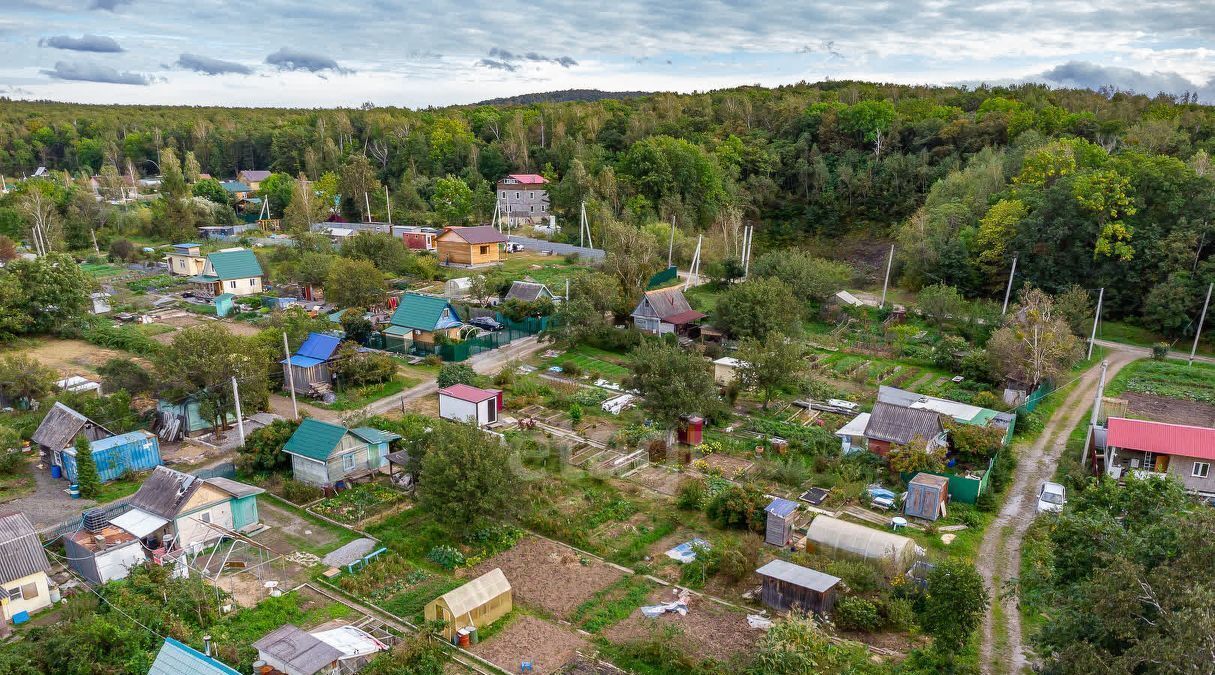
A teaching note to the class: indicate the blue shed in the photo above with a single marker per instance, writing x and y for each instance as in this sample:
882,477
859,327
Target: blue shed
223,304
116,455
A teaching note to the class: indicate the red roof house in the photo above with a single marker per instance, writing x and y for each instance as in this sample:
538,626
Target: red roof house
466,403
1181,451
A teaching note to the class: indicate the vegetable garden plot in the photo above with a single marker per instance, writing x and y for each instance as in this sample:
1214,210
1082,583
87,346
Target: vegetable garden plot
550,576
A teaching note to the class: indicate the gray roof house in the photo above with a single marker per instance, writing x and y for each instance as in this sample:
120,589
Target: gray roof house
528,291
60,428
294,651
665,310
24,585
891,424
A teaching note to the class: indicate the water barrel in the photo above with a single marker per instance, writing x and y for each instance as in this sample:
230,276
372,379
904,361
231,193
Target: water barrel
56,472
74,491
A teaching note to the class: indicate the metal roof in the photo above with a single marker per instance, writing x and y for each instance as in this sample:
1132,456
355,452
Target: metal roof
528,178
315,439
350,641
61,426
475,593
527,291
235,186
316,349
372,435
899,424
798,575
781,507
139,523
254,175
240,263
1161,438
423,312
855,426
121,439
477,234
175,658
233,487
961,412
302,651
931,480
468,393
21,551
164,492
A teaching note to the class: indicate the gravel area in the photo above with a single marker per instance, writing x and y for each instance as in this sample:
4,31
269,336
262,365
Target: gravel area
50,504
350,552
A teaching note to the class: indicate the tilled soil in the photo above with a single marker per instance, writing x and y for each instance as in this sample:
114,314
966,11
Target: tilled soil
710,628
1000,553
1172,410
550,576
547,646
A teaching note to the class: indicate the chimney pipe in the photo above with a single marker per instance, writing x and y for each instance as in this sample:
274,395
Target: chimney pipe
207,645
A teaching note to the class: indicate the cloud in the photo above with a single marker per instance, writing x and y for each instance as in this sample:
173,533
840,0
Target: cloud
92,72
210,66
294,59
84,43
505,56
1087,75
109,5
497,65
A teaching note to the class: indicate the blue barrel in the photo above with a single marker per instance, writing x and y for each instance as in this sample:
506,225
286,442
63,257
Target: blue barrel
56,472
74,491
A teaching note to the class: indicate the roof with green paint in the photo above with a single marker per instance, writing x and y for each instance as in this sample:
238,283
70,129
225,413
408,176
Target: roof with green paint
238,264
424,312
315,439
372,435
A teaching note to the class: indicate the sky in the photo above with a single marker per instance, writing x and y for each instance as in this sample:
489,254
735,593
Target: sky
305,53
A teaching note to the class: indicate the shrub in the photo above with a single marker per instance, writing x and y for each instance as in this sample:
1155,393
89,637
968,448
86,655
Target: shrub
432,360
456,373
737,560
898,614
853,613
691,495
571,368
1160,351
740,506
575,413
10,461
986,502
447,557
860,576
299,492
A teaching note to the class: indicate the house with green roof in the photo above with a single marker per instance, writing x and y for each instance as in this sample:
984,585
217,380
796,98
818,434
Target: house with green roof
325,454
232,270
421,318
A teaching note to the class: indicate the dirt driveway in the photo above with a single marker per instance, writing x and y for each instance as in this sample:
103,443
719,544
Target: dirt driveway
1000,553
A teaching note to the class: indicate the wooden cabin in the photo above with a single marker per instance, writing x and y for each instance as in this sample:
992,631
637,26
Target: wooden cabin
470,246
787,586
780,521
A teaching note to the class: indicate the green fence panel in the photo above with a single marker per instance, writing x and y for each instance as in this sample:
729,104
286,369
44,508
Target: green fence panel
663,277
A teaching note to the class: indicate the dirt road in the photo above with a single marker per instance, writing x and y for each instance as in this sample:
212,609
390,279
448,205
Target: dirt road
1000,553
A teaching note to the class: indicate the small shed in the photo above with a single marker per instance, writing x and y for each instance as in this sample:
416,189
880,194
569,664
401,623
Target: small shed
117,455
842,538
104,555
691,429
466,403
478,603
788,586
59,429
224,304
725,370
780,521
309,366
926,496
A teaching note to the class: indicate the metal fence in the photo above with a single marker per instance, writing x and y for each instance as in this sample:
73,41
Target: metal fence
104,513
223,470
466,349
1035,397
663,277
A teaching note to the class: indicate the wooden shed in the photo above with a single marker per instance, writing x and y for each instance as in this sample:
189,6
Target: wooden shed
470,246
780,521
926,496
788,586
478,603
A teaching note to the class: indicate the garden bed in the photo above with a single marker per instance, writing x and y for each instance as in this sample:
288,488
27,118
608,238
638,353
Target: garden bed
359,503
548,647
710,629
550,576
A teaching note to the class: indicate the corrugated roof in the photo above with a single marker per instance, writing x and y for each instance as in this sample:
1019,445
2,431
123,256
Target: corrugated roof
469,393
961,412
898,424
477,592
164,491
422,312
319,346
374,435
527,291
798,576
477,234
21,551
781,507
238,264
121,439
254,175
175,658
931,480
299,649
528,178
233,487
666,303
60,427
139,523
315,439
235,186
1161,438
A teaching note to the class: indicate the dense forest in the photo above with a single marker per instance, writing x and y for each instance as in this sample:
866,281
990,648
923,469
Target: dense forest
1101,189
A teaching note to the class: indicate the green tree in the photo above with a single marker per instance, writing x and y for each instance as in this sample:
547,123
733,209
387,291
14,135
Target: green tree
672,382
210,189
815,279
755,308
770,365
954,604
1076,306
1035,343
122,374
190,167
306,206
357,182
456,373
356,325
201,361
263,449
383,250
278,189
355,283
86,469
24,379
54,292
452,199
633,256
467,478
357,369
940,303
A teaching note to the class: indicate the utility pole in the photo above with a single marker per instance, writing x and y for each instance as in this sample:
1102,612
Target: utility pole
1008,292
886,283
1197,334
1092,420
671,243
567,290
581,225
295,411
367,202
96,249
240,423
1096,318
388,201
748,236
694,268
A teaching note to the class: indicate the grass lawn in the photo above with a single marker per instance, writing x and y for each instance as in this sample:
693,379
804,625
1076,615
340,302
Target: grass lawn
591,359
342,536
703,298
101,269
153,329
19,483
246,626
118,489
353,399
553,270
1126,333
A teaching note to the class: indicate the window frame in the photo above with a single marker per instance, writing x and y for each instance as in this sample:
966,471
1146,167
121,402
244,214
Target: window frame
348,462
1206,470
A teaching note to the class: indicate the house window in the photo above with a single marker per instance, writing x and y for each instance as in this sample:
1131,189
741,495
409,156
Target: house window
1201,469
531,209
253,282
531,195
446,314
484,250
26,592
348,462
205,517
232,284
517,194
503,194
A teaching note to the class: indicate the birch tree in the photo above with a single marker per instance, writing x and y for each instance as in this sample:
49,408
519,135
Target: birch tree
1036,343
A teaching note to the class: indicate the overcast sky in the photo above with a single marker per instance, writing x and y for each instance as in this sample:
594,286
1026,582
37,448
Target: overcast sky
390,52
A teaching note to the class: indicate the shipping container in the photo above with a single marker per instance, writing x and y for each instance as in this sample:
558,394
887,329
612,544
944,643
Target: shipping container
117,455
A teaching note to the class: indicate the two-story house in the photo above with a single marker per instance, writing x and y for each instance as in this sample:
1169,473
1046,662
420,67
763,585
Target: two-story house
186,260
1144,448
253,178
235,271
523,199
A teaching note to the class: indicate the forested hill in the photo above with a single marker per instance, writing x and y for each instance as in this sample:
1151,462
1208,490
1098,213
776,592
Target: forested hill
1100,189
563,96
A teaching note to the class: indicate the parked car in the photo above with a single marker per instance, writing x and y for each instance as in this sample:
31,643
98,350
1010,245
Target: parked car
485,323
514,247
1051,497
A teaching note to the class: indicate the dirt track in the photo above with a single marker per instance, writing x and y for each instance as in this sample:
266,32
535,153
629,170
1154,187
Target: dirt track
1000,553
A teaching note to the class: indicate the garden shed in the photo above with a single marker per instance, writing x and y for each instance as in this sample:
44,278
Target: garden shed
478,603
780,521
310,365
926,496
840,537
118,455
59,429
788,586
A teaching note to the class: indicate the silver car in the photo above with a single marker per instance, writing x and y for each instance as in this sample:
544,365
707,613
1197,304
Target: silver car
1051,498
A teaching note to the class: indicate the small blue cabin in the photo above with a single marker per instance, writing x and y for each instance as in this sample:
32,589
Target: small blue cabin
116,455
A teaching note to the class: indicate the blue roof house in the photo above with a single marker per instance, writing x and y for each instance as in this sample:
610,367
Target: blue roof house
117,455
308,368
421,318
175,658
325,454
